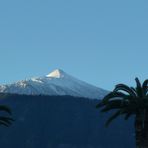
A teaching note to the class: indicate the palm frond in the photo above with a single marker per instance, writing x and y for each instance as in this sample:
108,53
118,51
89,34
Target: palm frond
113,95
131,108
134,90
6,120
126,100
4,123
115,115
139,88
145,87
5,108
110,96
125,88
128,115
114,104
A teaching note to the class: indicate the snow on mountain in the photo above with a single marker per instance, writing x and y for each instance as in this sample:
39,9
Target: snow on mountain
55,83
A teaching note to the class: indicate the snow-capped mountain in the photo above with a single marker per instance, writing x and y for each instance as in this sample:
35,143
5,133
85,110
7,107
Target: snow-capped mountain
55,83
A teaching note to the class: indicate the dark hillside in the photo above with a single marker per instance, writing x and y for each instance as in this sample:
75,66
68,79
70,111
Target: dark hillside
61,122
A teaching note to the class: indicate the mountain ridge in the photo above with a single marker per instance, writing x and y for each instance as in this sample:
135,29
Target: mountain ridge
57,82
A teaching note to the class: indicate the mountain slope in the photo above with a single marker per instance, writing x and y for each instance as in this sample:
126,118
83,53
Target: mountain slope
62,122
55,83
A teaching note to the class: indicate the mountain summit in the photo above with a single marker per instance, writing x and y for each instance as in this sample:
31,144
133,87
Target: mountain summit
58,73
57,83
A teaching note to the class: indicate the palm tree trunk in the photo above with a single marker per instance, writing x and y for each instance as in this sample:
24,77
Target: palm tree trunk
138,131
145,130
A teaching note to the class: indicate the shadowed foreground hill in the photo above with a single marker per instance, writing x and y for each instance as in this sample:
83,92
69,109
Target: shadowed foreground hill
61,122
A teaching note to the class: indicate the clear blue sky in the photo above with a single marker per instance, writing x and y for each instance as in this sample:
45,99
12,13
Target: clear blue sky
101,42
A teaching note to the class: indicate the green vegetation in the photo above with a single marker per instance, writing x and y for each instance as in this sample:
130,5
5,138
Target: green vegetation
127,101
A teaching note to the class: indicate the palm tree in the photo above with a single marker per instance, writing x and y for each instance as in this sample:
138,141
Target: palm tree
128,101
5,120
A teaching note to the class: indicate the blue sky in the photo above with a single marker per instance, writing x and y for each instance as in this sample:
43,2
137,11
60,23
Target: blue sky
101,42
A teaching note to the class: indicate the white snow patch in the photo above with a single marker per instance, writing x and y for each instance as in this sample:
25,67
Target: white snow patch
58,73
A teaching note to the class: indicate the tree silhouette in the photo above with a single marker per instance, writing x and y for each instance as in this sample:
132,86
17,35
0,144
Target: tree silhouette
128,101
4,119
